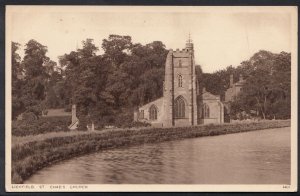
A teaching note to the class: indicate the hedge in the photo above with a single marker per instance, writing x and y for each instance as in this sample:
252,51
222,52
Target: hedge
40,126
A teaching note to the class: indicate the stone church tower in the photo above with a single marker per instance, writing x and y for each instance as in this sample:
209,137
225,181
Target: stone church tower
183,103
180,98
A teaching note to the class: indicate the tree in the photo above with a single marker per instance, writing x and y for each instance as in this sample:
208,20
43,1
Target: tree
36,77
267,88
125,76
15,61
256,92
86,78
17,105
145,68
116,48
34,60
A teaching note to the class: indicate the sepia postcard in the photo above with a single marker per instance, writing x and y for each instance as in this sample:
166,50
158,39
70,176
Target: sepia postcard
157,98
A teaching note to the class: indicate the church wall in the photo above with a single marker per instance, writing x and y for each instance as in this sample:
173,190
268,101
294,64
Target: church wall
182,122
168,91
145,117
211,104
215,112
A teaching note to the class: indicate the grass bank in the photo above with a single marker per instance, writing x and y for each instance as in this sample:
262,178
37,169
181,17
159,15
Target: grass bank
28,157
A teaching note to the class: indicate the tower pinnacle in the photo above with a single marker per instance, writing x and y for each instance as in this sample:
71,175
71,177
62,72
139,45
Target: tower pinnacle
189,40
189,43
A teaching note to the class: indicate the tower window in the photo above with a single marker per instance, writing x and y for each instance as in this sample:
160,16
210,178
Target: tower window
179,80
153,112
179,107
179,63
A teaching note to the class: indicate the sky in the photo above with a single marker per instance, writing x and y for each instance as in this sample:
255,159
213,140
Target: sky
222,36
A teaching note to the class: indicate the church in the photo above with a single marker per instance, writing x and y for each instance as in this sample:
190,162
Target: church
183,102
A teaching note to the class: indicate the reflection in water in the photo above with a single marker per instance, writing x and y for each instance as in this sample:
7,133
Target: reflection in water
258,157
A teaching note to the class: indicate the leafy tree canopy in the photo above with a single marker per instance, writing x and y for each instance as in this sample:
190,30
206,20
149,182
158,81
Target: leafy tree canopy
128,75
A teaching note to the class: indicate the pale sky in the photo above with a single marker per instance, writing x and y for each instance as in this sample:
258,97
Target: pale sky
222,36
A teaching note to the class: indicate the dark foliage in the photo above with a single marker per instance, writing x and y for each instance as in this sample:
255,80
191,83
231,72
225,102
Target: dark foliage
40,126
267,89
104,86
129,75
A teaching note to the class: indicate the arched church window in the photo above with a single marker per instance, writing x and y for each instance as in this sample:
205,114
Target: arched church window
179,107
205,111
179,80
153,112
179,63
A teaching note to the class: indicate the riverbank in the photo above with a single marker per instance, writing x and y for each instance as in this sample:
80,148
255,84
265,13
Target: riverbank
30,156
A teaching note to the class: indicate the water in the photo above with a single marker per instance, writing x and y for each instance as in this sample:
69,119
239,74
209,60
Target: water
258,157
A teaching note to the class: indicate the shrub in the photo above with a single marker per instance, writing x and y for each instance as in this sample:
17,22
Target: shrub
40,126
29,116
120,119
